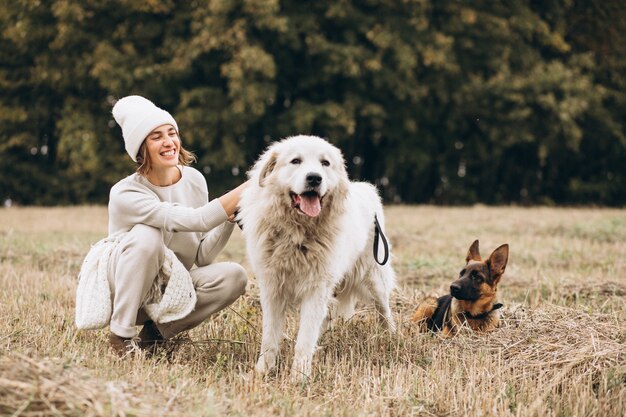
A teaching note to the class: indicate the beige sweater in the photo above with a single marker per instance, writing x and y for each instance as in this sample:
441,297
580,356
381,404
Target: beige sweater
195,229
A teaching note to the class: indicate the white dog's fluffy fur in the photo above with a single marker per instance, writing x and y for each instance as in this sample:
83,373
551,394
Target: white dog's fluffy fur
309,235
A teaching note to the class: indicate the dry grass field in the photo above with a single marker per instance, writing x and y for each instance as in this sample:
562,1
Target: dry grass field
560,349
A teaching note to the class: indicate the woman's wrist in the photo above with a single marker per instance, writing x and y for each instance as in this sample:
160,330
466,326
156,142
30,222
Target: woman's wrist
230,200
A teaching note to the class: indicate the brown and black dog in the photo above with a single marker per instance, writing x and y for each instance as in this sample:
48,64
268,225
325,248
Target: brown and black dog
472,298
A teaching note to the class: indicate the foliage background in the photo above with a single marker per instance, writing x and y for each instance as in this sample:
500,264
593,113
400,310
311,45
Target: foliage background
446,102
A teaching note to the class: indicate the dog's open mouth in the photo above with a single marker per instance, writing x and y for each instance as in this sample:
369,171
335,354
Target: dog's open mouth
309,202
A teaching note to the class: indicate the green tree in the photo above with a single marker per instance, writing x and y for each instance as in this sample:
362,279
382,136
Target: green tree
435,101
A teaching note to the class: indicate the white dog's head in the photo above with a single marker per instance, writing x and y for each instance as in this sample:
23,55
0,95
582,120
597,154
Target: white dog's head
304,170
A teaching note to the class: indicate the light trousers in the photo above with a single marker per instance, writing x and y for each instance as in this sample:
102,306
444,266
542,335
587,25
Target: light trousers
134,266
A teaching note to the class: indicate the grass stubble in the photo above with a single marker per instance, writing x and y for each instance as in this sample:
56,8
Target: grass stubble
558,352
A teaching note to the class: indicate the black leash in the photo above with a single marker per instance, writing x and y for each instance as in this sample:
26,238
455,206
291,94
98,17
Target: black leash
378,233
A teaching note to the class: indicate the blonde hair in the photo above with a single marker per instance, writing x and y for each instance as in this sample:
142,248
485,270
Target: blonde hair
185,158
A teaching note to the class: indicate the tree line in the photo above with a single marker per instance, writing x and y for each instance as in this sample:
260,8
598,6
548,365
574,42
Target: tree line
435,101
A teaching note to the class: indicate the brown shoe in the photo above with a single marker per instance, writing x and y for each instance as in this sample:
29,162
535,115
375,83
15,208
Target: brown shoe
150,338
121,345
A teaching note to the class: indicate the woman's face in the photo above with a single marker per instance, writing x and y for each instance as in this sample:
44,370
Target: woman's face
163,146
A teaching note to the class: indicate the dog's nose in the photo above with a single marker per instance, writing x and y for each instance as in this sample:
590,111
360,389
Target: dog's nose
455,289
313,179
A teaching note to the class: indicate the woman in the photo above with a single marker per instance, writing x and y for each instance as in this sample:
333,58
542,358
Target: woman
165,204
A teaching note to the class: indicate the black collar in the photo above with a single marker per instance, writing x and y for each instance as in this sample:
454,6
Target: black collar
485,314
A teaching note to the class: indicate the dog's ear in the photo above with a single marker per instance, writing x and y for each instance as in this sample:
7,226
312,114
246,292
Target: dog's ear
473,254
267,169
497,261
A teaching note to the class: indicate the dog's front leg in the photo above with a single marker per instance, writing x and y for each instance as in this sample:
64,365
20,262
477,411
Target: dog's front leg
312,314
273,323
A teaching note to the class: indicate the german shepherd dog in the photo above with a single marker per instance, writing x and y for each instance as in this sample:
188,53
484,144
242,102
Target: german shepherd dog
472,298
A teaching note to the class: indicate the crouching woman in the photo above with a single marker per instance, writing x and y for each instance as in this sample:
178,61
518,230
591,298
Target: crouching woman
161,224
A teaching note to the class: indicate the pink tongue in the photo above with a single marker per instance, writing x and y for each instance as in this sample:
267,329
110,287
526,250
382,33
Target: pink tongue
310,204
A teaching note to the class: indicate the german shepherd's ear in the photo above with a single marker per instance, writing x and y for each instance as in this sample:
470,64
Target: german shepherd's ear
473,254
267,169
497,261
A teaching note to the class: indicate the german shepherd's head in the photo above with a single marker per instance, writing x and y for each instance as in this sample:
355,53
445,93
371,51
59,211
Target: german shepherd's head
476,287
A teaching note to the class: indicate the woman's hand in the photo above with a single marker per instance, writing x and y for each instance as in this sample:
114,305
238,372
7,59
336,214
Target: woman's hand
230,200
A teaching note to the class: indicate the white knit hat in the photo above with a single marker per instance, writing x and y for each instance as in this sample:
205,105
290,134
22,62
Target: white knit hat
138,116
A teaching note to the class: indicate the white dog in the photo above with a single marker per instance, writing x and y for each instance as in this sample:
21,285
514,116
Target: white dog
310,235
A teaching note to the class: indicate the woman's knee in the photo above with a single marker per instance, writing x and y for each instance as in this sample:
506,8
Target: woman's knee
239,279
226,280
145,242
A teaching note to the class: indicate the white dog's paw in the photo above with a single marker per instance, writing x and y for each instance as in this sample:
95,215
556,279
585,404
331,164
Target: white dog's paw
391,325
266,363
301,369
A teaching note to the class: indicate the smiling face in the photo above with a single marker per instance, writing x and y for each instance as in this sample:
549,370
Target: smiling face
163,147
306,169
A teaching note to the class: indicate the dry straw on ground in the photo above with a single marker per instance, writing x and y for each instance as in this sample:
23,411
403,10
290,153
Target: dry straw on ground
51,387
558,352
